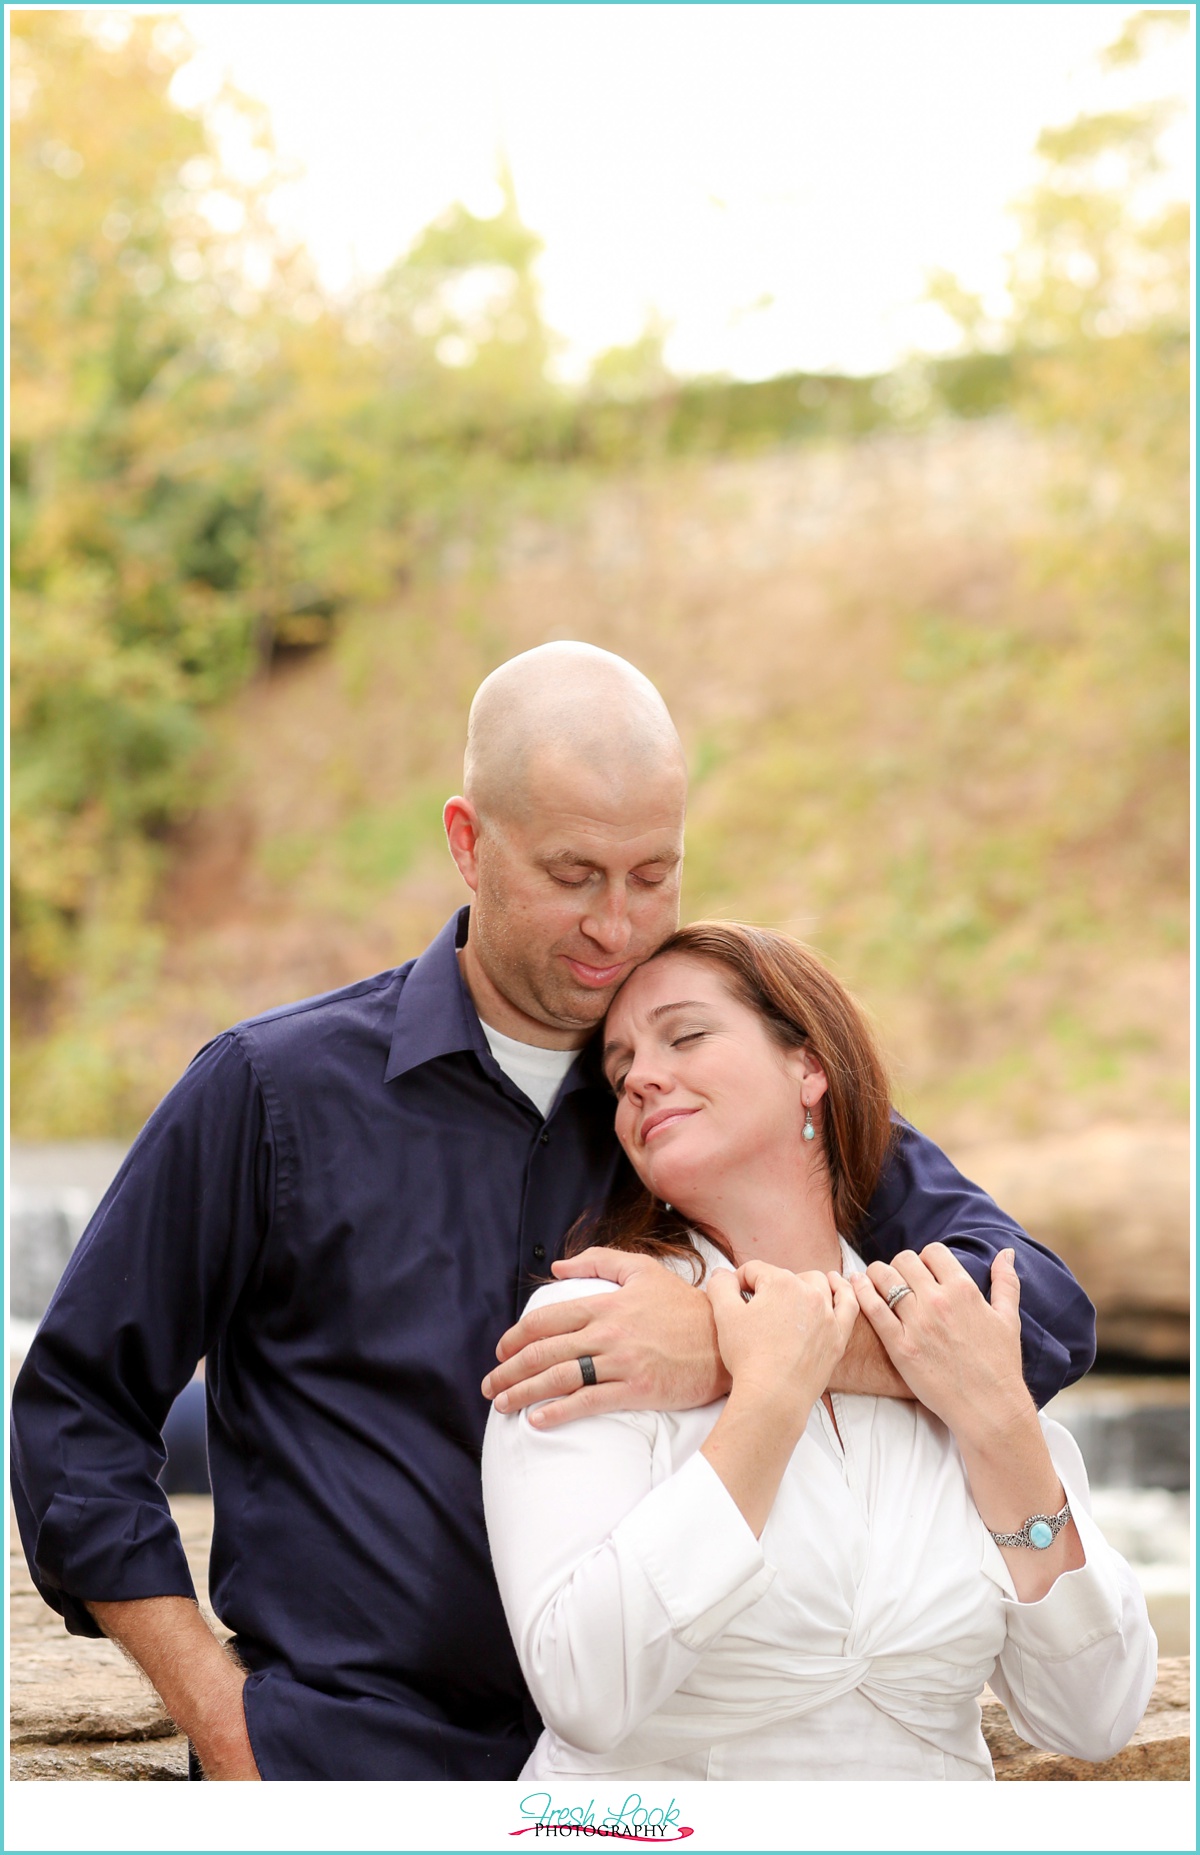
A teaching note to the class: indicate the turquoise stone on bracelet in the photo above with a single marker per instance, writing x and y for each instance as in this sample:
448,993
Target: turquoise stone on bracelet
1040,1530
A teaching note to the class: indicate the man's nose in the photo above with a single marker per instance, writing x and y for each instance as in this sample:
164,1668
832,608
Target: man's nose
608,923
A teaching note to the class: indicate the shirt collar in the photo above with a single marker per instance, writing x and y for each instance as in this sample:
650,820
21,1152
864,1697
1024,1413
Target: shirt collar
436,1016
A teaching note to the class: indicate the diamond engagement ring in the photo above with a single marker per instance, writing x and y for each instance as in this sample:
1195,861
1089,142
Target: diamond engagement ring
898,1294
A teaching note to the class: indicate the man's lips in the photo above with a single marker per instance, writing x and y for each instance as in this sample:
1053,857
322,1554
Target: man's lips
598,976
663,1119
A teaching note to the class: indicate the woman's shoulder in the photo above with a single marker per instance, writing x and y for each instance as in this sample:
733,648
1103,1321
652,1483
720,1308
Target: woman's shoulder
575,1288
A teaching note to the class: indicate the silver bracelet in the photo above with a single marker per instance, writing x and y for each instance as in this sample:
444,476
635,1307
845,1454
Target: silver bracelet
1039,1531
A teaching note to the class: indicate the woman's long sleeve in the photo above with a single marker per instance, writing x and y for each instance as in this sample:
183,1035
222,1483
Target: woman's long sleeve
615,1573
1078,1667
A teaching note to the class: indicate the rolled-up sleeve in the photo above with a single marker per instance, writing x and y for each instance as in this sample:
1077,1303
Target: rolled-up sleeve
1079,1666
150,1286
923,1198
593,1541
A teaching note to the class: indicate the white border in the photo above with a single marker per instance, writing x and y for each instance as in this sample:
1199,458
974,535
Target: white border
888,1816
480,1816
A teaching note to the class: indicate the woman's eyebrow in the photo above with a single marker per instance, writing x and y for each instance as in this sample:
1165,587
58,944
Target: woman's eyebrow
614,1048
660,1011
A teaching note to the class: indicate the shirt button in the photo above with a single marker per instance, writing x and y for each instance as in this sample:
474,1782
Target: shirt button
539,1252
545,1140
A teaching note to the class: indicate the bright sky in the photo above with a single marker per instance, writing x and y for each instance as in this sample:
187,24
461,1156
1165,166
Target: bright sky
775,181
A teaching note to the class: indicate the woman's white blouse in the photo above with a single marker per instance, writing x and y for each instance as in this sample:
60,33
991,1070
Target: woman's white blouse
659,1638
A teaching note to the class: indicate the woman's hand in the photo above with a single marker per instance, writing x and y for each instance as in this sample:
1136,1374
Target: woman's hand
959,1354
780,1348
789,1335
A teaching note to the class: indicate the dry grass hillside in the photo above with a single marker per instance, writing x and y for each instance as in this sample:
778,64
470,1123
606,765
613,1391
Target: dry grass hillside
905,746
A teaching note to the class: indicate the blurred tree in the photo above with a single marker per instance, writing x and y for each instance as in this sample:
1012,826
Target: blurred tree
1100,288
635,369
1097,325
458,319
208,460
173,509
106,183
470,293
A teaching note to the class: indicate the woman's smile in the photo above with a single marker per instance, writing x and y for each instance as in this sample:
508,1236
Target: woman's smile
664,1117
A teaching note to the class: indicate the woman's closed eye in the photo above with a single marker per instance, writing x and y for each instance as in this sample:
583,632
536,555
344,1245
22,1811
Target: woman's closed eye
617,1079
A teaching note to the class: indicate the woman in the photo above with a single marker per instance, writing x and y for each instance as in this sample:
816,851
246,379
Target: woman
791,1583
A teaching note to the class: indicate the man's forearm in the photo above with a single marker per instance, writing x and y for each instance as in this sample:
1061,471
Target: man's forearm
198,1681
865,1369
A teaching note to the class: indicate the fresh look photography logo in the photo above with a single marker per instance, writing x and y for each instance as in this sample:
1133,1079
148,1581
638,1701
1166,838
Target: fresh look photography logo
635,1820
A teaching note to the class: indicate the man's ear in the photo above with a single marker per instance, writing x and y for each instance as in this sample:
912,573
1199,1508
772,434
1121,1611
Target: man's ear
462,834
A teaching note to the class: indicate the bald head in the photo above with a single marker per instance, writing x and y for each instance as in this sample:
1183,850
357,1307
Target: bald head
566,708
569,835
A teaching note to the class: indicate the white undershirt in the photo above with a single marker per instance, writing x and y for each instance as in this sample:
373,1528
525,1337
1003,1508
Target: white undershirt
537,1073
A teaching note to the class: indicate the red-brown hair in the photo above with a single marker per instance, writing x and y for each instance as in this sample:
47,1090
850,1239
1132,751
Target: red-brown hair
802,1006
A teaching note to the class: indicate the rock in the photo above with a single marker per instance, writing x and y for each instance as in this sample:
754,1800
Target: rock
1159,1750
165,1759
118,1762
78,1708
82,1712
1173,1689
75,1690
1113,1202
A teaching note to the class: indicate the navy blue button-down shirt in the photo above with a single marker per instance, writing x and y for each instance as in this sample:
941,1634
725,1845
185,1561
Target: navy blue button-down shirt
341,1206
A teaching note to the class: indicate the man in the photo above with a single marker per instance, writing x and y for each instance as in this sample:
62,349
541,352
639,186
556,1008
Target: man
340,1206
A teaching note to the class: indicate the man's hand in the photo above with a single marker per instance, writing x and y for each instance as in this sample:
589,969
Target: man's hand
865,1370
653,1345
198,1681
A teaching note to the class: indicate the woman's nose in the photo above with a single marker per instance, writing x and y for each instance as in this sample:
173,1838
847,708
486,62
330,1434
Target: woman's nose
646,1074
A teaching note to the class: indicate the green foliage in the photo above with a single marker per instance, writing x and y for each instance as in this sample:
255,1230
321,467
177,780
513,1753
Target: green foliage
366,854
140,510
209,464
460,312
635,370
1098,335
1101,307
1059,712
212,468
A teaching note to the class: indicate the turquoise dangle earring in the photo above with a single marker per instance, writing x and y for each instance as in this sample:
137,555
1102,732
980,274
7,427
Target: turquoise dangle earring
810,1132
